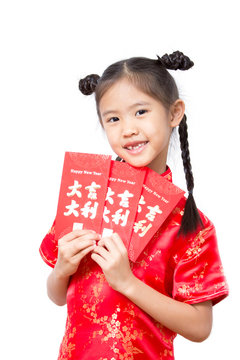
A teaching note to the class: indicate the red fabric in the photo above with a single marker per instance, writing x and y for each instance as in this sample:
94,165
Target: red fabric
102,324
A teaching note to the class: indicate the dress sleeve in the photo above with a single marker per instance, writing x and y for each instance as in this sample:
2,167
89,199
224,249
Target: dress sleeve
198,275
48,248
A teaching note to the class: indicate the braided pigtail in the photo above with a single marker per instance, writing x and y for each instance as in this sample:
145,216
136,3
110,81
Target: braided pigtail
88,84
191,218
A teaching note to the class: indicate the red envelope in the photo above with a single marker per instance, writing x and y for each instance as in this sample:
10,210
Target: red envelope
158,198
124,189
111,196
82,192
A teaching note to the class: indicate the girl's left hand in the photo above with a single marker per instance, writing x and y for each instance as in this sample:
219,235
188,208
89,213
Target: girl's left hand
114,262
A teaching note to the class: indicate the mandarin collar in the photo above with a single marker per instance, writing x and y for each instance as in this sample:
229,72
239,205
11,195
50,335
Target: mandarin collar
167,174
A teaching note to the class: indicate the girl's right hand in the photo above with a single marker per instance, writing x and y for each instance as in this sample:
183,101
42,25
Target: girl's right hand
72,247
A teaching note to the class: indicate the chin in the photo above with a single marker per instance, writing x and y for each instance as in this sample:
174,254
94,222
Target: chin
136,163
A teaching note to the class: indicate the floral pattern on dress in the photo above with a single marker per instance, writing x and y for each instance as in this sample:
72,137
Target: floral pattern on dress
68,344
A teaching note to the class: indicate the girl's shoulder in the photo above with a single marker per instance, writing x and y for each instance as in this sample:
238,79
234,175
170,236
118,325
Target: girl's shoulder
198,269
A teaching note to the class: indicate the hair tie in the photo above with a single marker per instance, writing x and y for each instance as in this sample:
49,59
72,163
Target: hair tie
160,61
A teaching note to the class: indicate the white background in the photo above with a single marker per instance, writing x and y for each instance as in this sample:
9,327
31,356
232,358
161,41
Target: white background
46,47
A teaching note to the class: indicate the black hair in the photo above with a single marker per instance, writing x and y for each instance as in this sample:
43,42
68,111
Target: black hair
152,77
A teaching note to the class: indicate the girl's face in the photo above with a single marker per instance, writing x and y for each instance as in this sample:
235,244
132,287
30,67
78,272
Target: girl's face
138,127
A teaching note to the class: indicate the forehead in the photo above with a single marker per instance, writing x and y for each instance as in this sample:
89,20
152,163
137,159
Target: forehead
123,93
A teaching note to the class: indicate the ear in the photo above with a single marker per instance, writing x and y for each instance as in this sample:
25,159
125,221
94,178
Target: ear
177,111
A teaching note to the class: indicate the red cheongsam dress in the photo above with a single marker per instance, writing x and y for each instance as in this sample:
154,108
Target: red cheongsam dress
102,324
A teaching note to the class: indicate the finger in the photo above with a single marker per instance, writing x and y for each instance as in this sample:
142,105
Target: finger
98,259
77,233
110,245
119,243
82,232
79,256
71,248
79,245
101,242
89,234
100,250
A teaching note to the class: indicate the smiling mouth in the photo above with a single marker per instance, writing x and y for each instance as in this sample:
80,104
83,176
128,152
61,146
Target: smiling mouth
137,146
134,150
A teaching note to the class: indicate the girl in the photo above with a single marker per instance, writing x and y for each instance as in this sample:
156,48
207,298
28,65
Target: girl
118,309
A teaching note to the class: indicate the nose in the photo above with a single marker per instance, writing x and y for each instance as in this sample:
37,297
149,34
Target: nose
129,129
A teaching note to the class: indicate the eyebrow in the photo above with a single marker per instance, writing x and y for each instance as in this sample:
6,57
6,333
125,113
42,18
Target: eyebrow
130,107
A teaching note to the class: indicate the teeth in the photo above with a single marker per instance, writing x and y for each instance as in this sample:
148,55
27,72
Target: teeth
136,147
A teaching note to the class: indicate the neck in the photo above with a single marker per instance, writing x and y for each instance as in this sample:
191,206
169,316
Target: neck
160,169
159,164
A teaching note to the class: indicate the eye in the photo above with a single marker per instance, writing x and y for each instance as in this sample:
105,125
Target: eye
113,118
141,112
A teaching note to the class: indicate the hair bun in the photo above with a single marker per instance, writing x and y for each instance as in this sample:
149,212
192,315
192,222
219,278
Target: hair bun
176,61
88,84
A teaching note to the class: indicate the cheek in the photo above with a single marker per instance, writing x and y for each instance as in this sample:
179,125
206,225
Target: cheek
159,132
112,138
